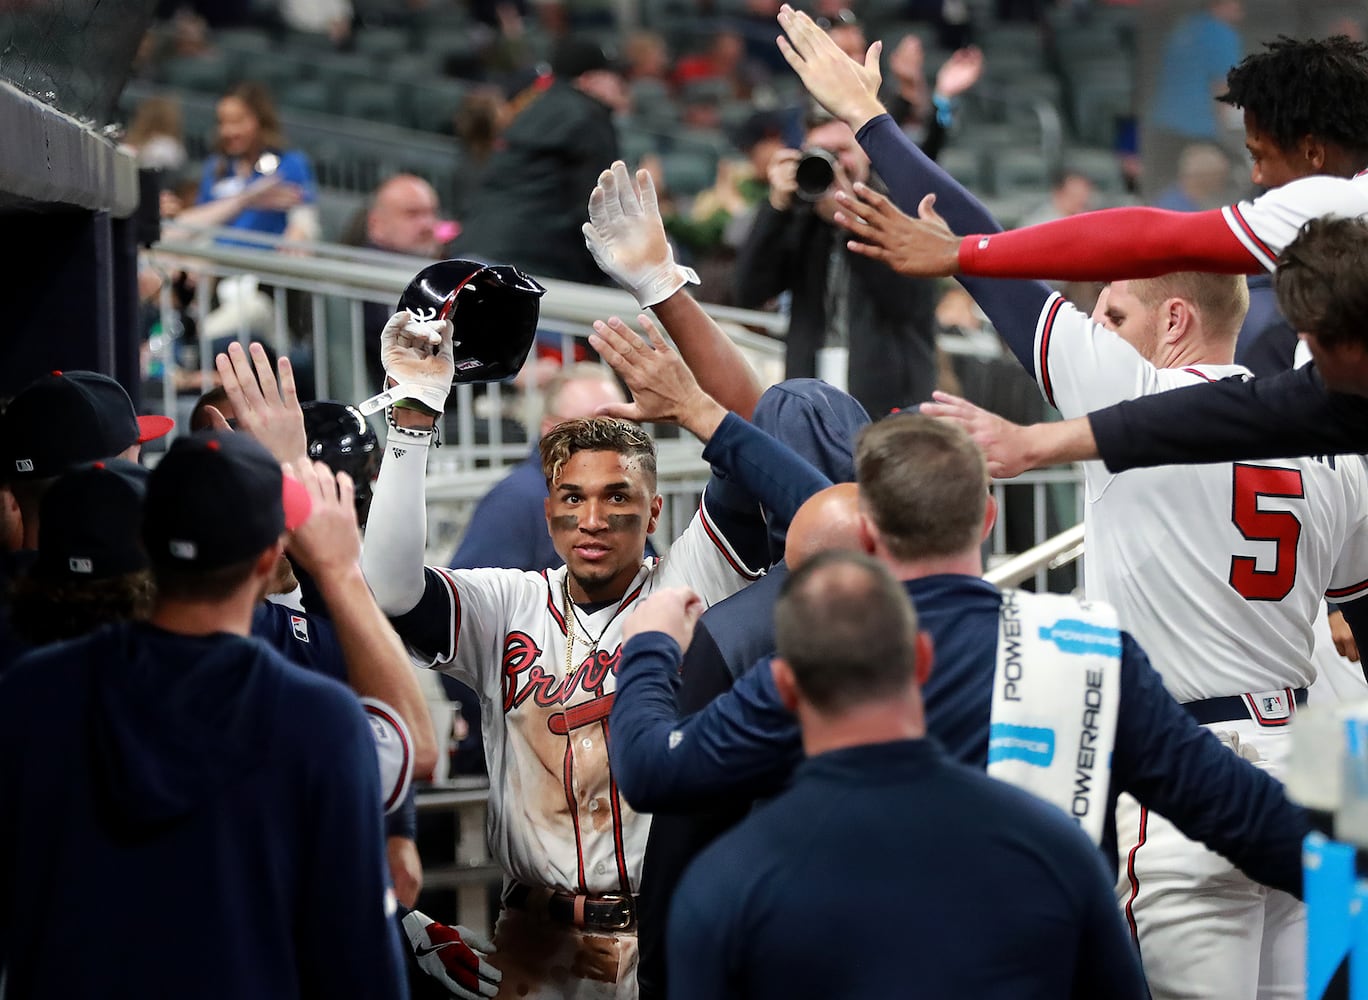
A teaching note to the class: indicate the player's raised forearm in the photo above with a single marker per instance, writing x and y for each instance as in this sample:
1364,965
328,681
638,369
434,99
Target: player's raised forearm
396,531
1110,245
1061,441
713,357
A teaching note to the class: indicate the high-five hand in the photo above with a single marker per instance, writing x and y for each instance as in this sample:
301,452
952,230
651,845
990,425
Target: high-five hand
1006,446
923,247
626,236
263,408
661,384
847,89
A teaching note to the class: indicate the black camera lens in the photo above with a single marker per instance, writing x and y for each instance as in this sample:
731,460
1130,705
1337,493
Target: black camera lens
816,173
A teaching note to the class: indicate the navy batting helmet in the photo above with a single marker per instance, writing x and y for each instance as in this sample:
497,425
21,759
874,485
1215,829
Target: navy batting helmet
493,308
340,437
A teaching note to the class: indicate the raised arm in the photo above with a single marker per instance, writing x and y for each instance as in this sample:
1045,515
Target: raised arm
1278,417
1095,246
626,235
328,545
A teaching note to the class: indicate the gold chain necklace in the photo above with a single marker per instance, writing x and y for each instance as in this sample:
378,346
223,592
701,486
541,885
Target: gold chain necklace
571,623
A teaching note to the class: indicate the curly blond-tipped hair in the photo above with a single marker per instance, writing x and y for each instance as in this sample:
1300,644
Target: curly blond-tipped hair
597,434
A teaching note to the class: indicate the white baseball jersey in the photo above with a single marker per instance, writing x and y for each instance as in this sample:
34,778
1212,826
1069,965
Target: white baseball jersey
1268,223
1216,569
555,816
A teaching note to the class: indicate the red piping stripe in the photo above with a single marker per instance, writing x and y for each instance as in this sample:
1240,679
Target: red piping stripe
456,605
551,604
1346,591
399,729
723,548
1253,236
1130,874
1201,375
1044,360
618,849
569,780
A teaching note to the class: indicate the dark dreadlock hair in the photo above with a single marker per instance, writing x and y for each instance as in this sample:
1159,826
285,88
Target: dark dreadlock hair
1315,87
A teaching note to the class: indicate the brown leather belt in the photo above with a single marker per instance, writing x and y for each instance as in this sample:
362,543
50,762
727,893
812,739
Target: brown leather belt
602,912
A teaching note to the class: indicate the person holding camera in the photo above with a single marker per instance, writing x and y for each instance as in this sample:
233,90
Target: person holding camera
852,323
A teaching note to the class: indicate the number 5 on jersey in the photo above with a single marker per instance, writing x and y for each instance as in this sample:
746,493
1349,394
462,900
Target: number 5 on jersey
1283,528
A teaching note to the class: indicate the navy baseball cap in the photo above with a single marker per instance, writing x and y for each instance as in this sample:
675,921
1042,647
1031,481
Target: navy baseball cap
66,419
217,498
90,523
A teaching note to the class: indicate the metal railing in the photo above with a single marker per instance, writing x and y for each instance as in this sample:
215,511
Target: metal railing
1053,553
330,285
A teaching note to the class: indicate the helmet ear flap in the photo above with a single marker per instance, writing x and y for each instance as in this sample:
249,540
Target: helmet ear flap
494,309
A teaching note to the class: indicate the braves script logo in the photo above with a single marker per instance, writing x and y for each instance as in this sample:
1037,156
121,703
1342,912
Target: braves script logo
524,678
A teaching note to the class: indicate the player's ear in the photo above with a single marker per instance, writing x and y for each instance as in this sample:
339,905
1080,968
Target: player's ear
868,534
785,683
926,657
1312,153
657,504
546,506
990,512
1178,319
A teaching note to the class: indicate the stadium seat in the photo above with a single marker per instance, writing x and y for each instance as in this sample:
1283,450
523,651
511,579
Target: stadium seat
1019,170
308,95
431,105
374,102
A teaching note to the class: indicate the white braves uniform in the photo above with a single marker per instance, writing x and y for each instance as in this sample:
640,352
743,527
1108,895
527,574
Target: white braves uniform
1218,570
556,820
1271,221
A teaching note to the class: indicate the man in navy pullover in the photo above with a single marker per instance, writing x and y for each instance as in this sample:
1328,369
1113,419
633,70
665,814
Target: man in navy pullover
971,886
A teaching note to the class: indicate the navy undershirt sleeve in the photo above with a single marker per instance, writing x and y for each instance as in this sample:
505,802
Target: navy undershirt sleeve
1283,416
1012,305
766,468
426,627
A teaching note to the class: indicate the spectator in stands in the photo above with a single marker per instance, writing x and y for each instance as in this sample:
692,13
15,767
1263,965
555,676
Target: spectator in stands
156,137
530,207
717,222
723,59
1203,180
647,57
1197,54
332,18
1070,193
250,147
924,113
852,322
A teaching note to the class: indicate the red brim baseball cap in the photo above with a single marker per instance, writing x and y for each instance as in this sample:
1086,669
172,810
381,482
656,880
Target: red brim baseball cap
296,501
153,426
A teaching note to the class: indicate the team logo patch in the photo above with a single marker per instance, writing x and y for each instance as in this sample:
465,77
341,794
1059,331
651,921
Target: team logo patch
80,566
1028,744
676,738
182,549
23,465
467,364
300,627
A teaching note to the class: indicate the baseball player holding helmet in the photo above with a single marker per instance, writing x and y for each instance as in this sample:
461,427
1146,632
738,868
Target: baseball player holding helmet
540,649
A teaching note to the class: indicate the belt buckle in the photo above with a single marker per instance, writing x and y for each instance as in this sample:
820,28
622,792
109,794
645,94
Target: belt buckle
628,910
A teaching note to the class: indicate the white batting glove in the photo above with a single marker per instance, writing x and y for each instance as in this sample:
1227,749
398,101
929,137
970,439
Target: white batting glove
454,956
417,357
627,237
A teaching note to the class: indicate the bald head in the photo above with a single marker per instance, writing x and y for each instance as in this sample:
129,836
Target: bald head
403,216
829,520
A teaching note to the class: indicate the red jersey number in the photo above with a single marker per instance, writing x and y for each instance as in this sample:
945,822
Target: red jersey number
1279,526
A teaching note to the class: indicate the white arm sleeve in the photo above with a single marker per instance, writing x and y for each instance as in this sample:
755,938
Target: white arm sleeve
396,533
393,751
